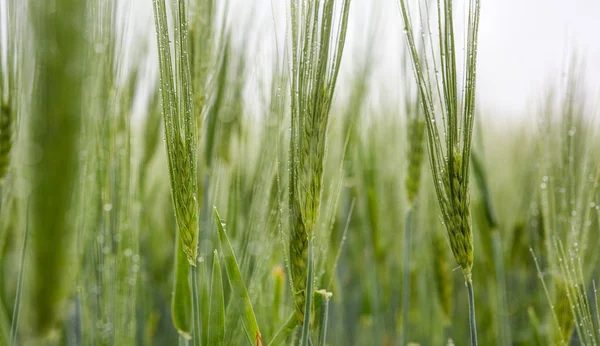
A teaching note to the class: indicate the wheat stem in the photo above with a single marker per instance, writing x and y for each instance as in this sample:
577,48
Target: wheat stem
196,327
323,316
504,333
472,320
406,278
304,340
17,307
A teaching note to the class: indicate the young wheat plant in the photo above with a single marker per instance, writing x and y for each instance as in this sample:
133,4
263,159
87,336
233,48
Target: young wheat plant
317,46
180,133
449,155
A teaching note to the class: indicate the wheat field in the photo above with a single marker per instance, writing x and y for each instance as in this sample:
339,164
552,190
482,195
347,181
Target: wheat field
217,179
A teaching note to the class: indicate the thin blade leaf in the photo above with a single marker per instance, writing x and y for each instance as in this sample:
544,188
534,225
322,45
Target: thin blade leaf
239,291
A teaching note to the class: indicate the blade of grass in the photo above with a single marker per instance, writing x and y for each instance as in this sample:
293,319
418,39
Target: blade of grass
216,314
535,324
239,291
286,330
181,303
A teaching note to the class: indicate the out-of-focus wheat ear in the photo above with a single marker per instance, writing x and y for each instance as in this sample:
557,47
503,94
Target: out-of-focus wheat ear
278,276
564,314
416,136
6,123
54,126
443,280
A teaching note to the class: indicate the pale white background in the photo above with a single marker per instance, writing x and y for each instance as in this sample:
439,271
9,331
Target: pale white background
524,45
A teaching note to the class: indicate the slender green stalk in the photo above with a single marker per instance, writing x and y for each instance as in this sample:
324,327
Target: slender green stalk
505,337
472,320
324,296
204,301
406,279
17,307
304,340
497,253
196,327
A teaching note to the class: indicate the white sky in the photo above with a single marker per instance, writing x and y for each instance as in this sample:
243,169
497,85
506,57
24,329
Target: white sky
523,47
523,44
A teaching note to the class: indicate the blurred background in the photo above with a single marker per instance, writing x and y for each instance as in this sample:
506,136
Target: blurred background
524,45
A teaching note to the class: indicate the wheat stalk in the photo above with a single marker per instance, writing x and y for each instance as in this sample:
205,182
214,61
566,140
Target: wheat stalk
316,55
449,155
181,142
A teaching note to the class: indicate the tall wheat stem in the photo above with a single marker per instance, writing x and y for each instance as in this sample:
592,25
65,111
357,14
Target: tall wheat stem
406,278
472,320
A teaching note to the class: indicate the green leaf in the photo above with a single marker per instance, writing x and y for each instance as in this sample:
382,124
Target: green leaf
285,330
181,303
239,292
216,314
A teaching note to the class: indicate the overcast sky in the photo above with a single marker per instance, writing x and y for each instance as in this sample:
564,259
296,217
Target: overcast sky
523,47
523,44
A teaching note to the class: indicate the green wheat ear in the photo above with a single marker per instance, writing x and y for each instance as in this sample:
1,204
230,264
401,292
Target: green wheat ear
564,314
459,216
449,117
317,46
